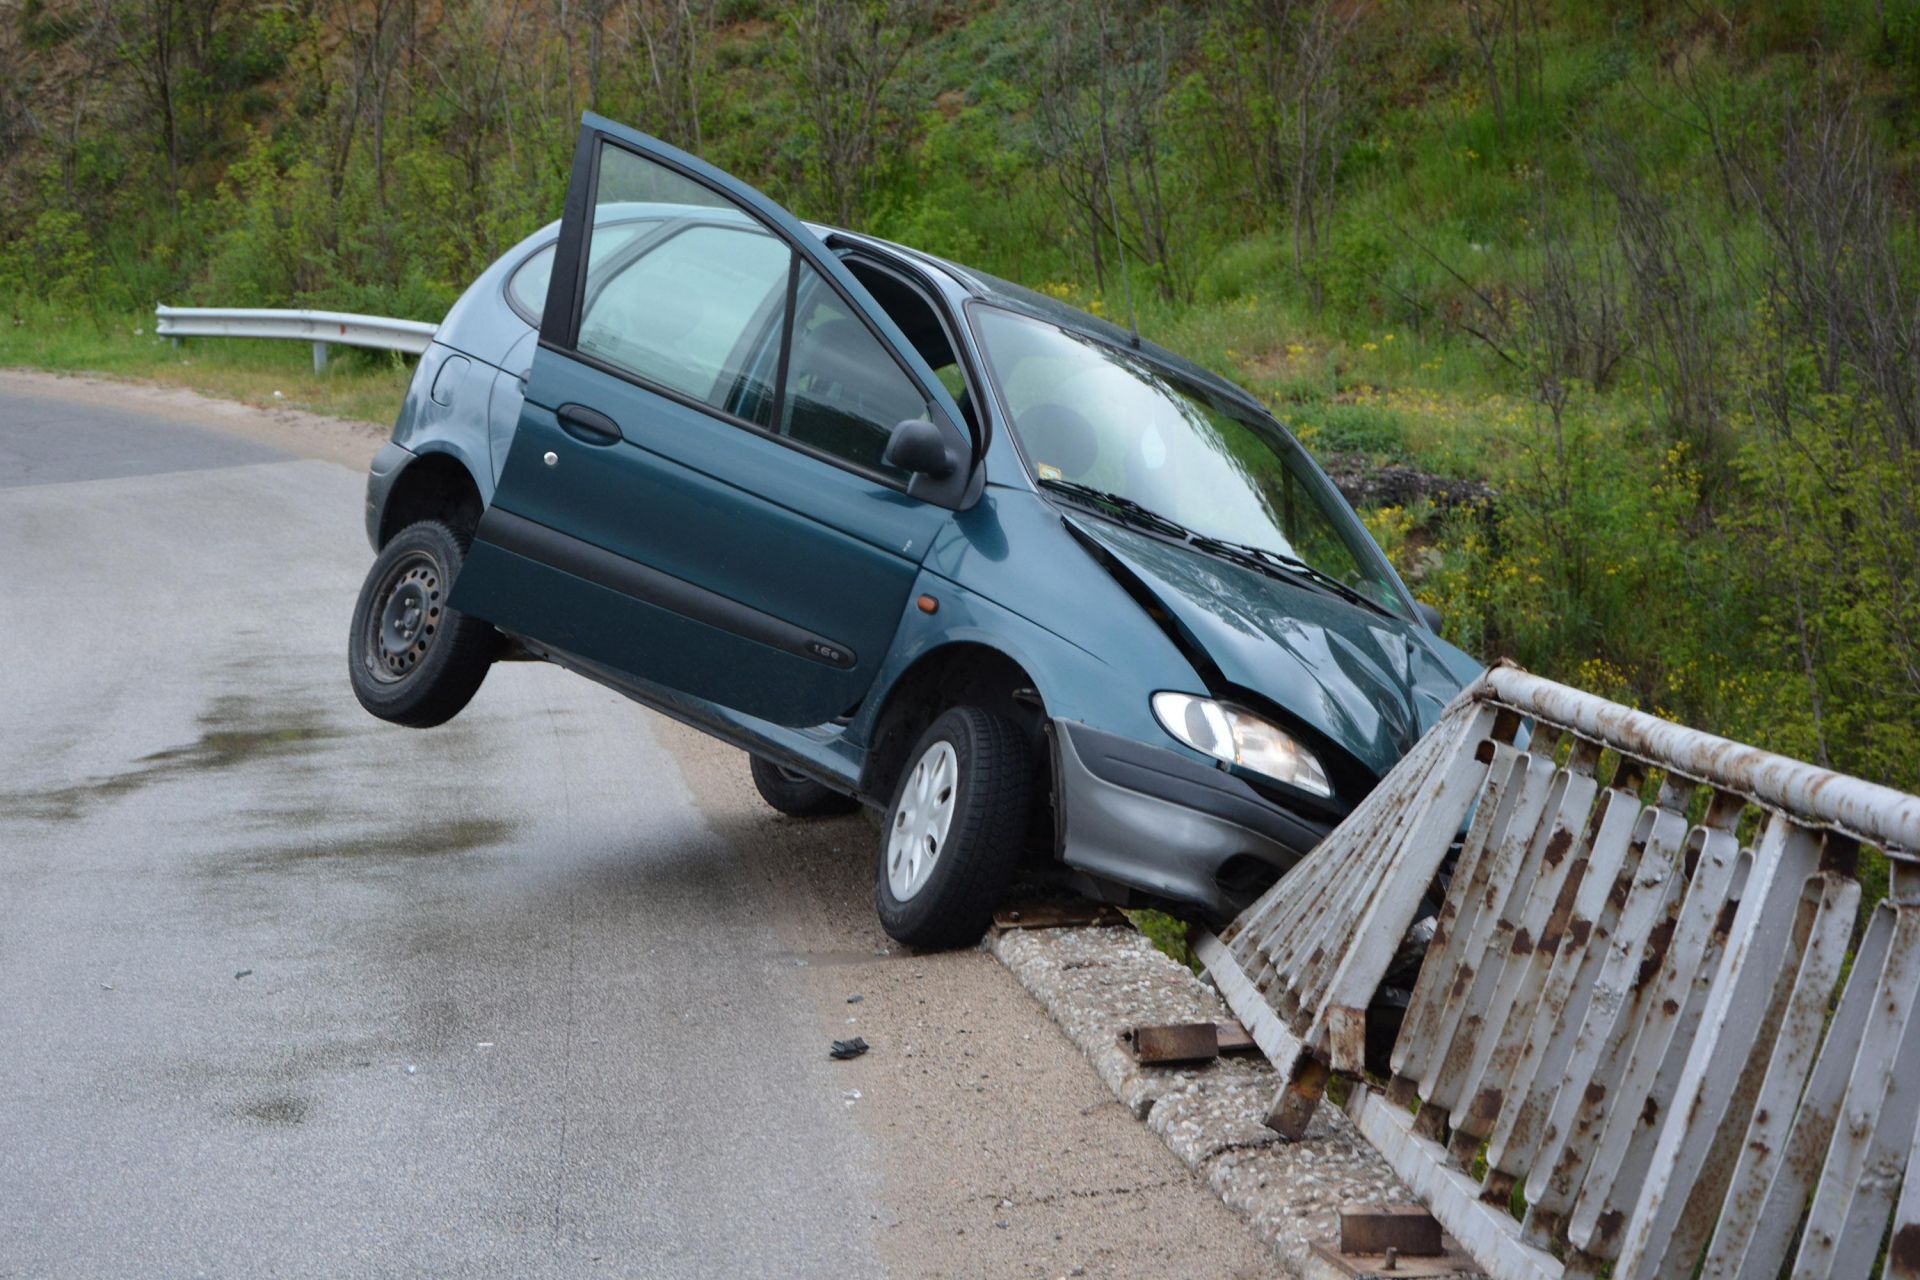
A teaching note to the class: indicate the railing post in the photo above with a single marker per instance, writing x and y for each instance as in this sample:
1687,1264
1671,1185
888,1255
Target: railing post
319,358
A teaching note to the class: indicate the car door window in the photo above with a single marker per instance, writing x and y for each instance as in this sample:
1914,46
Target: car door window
687,305
706,302
678,314
844,393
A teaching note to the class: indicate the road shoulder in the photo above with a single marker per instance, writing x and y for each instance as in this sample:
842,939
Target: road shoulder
346,441
1002,1154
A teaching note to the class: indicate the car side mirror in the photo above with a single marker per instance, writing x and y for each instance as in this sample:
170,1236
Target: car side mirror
1428,614
919,446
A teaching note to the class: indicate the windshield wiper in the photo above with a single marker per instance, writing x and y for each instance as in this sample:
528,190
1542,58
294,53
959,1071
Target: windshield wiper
1263,559
1267,558
1121,507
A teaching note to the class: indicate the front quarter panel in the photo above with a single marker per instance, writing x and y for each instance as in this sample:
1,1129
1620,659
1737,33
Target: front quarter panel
1008,575
1167,822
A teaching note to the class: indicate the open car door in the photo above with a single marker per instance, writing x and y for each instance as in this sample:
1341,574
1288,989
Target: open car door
697,494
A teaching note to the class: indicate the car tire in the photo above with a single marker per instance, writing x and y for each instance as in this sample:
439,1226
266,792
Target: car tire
412,660
797,795
954,830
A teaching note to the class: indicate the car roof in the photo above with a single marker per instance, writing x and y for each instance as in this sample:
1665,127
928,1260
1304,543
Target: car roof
966,280
1004,293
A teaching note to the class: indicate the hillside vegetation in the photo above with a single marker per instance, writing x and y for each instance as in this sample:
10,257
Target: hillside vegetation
1609,313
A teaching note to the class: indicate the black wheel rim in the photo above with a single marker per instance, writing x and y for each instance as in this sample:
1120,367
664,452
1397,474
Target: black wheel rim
405,618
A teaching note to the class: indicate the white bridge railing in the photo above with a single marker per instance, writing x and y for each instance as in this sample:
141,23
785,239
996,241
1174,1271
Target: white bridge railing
321,328
1653,1035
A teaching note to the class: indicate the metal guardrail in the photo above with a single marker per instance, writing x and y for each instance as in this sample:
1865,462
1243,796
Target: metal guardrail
1659,1025
322,328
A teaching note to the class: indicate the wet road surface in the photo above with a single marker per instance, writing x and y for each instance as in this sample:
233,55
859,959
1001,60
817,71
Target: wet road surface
288,991
414,1073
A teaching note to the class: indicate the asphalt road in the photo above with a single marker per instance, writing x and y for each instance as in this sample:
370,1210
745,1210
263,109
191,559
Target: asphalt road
287,991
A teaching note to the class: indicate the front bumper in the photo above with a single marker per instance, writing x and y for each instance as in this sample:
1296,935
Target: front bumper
1168,827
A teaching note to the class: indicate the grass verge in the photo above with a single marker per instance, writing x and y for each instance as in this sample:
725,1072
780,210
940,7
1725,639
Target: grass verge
366,385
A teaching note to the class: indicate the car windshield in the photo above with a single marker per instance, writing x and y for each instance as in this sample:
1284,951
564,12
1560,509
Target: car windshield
1096,417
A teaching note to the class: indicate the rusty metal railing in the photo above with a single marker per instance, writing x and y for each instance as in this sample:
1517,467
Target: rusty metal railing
1653,1031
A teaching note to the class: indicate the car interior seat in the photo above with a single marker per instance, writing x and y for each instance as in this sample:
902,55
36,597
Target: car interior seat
844,394
1059,438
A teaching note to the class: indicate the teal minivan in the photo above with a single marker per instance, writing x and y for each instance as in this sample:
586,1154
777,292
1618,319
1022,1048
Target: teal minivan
912,537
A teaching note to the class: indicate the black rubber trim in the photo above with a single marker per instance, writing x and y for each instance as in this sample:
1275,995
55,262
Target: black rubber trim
642,582
1168,776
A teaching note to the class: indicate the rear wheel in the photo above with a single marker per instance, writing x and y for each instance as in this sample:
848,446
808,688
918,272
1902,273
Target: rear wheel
795,794
411,659
954,830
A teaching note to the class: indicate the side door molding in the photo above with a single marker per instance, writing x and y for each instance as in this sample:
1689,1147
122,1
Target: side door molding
648,585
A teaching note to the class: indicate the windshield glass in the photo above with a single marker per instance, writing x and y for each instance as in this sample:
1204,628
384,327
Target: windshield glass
1096,415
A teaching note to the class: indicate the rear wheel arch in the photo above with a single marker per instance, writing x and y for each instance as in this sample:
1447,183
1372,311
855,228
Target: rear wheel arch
434,486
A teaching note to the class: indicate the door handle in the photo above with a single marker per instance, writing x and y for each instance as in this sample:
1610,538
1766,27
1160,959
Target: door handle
589,426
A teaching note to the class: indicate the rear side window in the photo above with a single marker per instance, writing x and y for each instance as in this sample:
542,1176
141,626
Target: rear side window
527,286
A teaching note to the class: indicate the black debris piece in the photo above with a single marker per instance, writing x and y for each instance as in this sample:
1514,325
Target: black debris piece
844,1049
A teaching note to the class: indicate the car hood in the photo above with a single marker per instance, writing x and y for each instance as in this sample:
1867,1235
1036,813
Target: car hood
1370,683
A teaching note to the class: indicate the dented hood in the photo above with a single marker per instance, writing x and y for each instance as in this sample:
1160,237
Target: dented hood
1370,683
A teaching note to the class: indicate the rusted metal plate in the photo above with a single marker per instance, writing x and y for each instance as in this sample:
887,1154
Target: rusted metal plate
1294,1105
1056,914
1452,1261
1234,1038
1408,1229
1492,1237
1175,1042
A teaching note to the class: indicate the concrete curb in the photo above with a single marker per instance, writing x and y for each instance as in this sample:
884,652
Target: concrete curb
1095,983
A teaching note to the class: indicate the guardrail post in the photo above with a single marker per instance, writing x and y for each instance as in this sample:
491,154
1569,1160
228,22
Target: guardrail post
319,357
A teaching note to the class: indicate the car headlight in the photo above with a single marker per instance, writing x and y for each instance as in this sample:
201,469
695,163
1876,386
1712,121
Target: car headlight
1239,737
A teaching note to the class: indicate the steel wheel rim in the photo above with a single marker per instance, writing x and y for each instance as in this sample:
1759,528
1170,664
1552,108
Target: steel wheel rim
406,617
921,819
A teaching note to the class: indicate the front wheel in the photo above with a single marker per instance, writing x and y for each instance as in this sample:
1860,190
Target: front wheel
411,659
954,831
